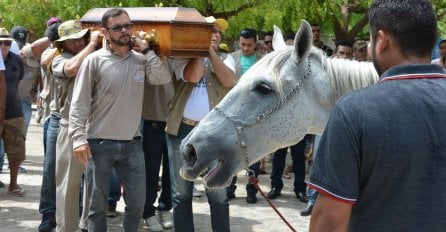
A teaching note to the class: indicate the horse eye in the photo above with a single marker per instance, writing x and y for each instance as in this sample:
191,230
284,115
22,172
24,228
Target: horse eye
263,88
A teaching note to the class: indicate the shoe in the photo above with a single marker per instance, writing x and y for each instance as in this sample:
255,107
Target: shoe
153,224
48,223
251,199
22,169
274,193
196,192
17,191
302,197
307,211
111,211
166,219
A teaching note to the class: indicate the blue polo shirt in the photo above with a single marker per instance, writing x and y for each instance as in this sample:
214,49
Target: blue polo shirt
384,152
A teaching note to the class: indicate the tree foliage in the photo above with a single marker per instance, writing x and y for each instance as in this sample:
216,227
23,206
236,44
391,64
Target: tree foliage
339,19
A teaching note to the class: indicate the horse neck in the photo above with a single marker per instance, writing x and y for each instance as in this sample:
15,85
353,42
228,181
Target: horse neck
347,75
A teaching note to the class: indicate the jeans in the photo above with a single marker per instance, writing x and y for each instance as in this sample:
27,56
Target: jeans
127,157
278,165
115,188
182,191
2,155
48,189
311,193
27,113
155,151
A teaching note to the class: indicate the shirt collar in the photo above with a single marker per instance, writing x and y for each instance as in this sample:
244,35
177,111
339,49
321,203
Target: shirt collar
402,71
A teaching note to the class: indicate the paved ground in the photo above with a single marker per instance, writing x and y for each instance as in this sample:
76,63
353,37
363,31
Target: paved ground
22,214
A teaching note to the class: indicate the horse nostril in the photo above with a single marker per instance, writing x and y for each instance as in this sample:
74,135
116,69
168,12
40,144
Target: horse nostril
189,155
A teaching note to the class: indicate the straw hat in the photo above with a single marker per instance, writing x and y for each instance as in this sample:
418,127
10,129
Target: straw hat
4,34
71,29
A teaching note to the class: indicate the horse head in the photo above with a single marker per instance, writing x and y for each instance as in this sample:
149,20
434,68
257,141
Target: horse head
285,95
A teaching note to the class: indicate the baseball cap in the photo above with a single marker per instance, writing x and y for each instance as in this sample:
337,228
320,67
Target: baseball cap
19,34
53,20
359,44
222,23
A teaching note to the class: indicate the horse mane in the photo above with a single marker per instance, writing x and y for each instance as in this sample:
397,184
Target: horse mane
345,75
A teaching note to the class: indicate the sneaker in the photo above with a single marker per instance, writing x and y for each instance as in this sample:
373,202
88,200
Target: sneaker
48,223
153,224
196,192
111,211
22,169
166,219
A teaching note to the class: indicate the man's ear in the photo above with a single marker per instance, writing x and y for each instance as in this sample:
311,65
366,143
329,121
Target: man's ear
382,42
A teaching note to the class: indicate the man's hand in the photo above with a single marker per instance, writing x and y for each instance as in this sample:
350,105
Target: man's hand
82,153
94,38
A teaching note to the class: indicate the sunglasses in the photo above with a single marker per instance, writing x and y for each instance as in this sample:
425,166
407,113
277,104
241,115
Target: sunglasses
6,43
118,28
268,41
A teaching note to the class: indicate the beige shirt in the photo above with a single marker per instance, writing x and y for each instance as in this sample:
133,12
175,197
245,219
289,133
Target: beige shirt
108,95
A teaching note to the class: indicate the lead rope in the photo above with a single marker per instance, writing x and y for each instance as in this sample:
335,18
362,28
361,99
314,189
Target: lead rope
254,181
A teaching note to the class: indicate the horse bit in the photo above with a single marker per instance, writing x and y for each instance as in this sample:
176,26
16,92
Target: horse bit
239,124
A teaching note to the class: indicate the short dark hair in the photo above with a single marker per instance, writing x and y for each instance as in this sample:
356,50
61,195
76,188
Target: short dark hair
412,23
344,43
248,33
111,13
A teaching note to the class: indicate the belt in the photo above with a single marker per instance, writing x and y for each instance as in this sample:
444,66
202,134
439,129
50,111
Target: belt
189,122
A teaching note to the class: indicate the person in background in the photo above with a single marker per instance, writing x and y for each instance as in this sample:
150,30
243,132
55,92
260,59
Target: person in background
442,48
344,50
12,130
360,50
317,40
381,164
2,98
268,40
241,61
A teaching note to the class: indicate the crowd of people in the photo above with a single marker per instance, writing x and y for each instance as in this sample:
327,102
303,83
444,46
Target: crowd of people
95,141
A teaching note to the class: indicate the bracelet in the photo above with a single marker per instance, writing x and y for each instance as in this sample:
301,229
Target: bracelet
147,49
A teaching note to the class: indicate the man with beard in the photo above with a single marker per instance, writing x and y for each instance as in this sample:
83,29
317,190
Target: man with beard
381,164
105,116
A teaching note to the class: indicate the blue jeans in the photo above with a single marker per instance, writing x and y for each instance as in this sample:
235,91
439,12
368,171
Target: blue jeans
311,193
182,191
27,113
155,151
48,190
278,165
115,188
127,157
2,155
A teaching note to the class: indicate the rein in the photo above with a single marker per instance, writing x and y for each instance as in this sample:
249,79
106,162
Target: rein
240,124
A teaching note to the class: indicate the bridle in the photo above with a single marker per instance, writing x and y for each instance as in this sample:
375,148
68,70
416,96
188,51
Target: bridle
240,124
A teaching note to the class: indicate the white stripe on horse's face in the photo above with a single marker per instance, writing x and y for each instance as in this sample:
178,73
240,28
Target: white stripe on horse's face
266,110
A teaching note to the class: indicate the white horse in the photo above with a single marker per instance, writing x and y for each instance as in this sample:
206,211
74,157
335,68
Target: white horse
287,94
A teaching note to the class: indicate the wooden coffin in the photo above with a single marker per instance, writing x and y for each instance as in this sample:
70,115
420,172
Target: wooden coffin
180,31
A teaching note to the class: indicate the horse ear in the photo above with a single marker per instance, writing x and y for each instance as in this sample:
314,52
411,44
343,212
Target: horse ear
303,41
278,42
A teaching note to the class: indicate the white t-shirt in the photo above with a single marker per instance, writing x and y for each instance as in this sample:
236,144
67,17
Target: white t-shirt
197,105
14,48
2,65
